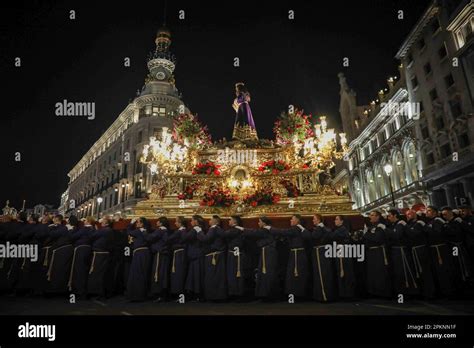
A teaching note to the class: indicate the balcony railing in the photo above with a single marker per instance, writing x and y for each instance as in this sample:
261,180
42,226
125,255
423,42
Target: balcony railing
414,186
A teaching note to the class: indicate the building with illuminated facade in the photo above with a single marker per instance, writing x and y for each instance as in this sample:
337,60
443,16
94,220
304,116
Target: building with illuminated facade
439,60
382,167
110,178
430,148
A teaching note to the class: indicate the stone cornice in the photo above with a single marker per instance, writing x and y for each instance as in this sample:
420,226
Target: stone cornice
124,117
462,17
377,120
415,33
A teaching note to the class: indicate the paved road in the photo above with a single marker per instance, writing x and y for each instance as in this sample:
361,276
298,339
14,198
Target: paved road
119,306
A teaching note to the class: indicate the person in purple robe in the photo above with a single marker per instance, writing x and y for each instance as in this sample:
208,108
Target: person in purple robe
243,117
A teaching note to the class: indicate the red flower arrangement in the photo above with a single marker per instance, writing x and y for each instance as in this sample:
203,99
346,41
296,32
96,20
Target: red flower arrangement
262,197
291,126
291,189
208,168
188,127
274,167
188,192
218,198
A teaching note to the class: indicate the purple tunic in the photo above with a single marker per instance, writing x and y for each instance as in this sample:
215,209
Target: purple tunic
244,113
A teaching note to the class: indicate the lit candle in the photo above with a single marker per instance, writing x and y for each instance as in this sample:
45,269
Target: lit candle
323,123
318,130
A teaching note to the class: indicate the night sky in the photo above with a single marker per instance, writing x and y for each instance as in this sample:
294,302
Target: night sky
282,62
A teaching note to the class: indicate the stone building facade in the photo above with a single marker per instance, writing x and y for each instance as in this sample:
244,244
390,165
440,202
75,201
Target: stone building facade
109,178
439,61
431,150
380,134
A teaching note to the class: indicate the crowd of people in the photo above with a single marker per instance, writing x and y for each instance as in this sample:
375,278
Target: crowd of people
417,256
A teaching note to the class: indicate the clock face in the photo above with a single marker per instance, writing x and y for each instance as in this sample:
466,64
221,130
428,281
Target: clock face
160,75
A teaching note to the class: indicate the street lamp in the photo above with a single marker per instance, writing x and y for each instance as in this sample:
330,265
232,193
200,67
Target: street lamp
99,200
388,170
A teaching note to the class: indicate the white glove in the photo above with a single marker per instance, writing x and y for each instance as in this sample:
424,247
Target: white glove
401,222
366,229
133,220
239,228
382,226
267,227
300,227
422,223
321,224
458,219
198,229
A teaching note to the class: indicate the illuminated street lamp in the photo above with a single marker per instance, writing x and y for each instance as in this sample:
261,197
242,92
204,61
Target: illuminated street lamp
99,200
388,170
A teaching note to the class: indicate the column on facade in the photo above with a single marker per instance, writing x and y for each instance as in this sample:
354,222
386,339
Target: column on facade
363,186
467,187
448,191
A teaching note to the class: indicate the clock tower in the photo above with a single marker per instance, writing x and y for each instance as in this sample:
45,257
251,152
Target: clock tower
161,62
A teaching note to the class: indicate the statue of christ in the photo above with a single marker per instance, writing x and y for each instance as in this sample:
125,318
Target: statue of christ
244,125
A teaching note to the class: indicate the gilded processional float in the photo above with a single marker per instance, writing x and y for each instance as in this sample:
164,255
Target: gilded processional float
247,176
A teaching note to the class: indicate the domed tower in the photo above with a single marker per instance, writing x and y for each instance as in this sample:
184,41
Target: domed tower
161,62
161,65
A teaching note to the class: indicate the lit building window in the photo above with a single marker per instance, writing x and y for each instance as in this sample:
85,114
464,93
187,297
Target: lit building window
162,111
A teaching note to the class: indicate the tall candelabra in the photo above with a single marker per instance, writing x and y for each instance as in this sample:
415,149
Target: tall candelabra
164,156
321,148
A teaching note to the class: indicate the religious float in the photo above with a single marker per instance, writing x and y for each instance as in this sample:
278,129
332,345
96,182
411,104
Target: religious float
247,176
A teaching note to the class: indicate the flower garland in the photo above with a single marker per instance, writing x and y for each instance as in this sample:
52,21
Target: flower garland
262,197
291,189
207,168
292,126
188,192
274,167
218,198
187,128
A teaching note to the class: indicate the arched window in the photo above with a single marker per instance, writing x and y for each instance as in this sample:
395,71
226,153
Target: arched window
371,187
411,165
398,173
385,178
381,182
357,193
